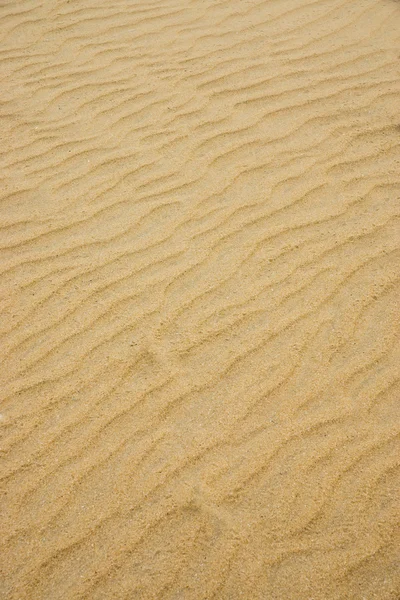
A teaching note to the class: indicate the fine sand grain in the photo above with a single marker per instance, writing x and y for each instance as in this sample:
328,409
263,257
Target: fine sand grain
199,275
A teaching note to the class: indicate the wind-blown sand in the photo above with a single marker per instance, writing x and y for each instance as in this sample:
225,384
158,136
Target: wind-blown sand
199,276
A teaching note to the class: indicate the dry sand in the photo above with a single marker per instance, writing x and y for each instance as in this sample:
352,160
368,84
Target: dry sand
199,299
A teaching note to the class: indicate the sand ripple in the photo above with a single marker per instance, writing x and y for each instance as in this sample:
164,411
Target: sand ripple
199,275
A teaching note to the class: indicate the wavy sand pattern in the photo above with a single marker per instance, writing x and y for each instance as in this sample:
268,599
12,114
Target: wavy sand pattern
199,275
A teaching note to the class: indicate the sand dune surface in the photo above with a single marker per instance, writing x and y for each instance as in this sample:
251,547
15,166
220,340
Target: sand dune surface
199,299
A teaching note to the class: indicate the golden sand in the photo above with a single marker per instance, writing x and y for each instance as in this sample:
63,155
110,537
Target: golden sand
199,276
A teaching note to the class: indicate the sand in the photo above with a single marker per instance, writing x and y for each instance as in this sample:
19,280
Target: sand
199,275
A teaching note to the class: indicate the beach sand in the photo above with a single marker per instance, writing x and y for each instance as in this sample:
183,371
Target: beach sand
199,276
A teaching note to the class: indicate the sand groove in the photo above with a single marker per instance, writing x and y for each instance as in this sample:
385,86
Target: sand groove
199,277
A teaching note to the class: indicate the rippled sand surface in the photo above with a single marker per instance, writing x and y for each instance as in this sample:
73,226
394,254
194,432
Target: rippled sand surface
199,278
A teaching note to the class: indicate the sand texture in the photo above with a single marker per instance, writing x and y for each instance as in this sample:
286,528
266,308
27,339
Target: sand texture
199,311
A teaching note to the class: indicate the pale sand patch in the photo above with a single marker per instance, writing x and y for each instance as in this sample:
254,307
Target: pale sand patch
199,299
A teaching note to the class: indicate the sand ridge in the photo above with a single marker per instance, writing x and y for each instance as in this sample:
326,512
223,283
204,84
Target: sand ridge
199,278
